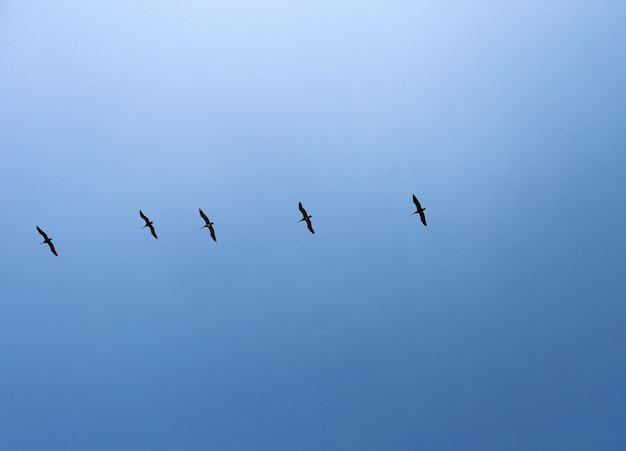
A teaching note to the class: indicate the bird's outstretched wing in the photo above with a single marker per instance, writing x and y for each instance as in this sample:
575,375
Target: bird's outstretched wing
302,210
212,233
309,226
417,202
423,217
152,231
42,233
52,248
203,216
144,217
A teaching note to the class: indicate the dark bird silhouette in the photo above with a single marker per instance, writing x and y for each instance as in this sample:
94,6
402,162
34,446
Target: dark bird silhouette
148,224
208,225
305,217
47,240
419,210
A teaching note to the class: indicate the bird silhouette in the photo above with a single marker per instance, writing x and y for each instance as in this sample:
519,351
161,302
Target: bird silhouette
305,217
148,224
419,210
208,224
47,240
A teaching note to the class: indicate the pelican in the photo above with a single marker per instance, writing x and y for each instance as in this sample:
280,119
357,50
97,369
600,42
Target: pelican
305,217
208,225
148,224
47,240
419,210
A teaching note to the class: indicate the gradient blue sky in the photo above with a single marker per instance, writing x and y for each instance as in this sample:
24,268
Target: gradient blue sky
500,326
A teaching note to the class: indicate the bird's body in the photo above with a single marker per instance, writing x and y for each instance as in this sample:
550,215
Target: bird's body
419,210
208,224
305,217
47,241
148,224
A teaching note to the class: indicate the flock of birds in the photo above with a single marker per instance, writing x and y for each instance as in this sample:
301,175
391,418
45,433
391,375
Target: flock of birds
209,225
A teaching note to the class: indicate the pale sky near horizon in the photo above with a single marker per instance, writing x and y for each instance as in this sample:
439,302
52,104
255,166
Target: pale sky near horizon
500,326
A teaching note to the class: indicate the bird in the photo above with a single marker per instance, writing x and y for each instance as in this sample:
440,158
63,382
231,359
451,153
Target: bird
47,240
305,217
419,210
208,225
148,224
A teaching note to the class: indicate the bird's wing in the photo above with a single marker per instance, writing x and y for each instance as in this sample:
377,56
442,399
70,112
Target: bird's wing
302,210
144,217
52,248
212,233
152,231
423,217
416,202
310,226
42,233
203,216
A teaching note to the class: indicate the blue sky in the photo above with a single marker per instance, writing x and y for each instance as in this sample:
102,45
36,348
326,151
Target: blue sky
500,326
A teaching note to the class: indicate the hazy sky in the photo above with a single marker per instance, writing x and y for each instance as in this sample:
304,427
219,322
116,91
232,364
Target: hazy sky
500,326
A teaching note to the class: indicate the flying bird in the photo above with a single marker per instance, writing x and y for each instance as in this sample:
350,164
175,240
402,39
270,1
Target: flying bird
148,224
47,240
208,225
305,217
419,210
